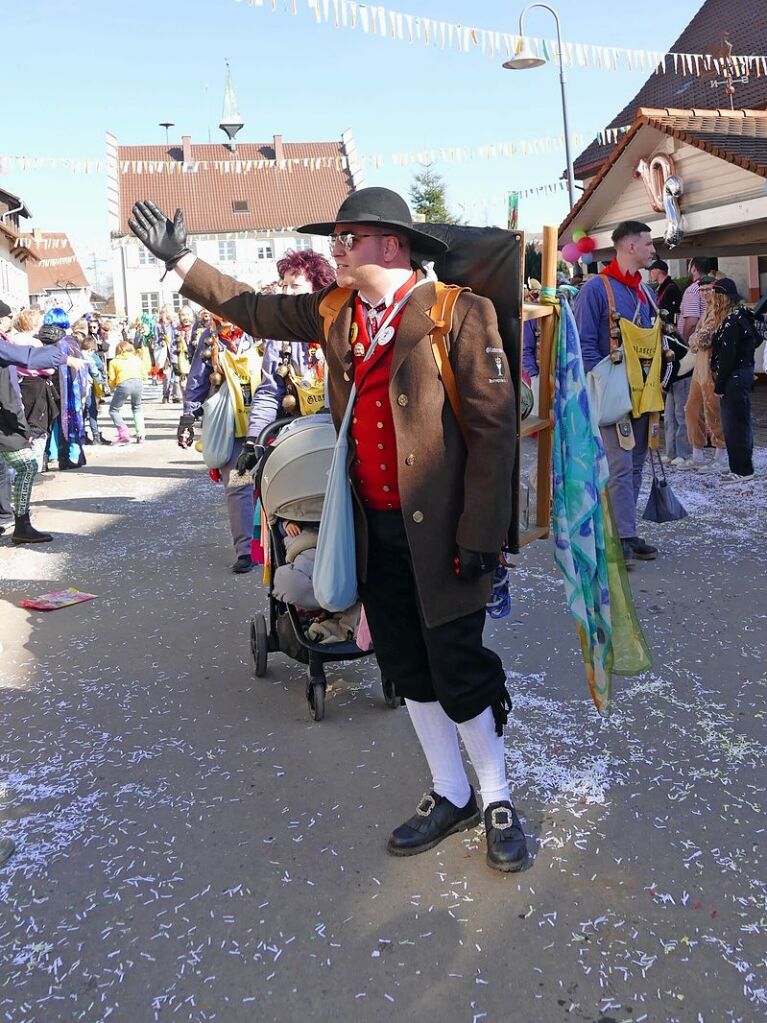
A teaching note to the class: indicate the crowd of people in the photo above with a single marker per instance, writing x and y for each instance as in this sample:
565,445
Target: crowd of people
703,403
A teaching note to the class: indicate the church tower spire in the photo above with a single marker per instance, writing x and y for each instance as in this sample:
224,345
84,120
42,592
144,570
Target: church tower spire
231,121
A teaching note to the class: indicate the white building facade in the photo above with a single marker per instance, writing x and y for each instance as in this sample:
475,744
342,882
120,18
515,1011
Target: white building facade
246,256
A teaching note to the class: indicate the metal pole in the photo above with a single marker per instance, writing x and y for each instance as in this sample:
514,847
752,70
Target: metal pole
562,82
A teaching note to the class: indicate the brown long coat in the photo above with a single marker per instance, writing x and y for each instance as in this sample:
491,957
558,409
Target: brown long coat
450,495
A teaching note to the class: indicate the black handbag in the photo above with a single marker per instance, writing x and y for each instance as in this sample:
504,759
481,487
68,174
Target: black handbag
662,505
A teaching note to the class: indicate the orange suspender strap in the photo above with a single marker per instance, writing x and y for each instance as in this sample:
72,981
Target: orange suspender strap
614,342
442,314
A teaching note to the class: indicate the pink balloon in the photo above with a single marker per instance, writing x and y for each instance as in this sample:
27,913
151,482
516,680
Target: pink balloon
571,253
587,244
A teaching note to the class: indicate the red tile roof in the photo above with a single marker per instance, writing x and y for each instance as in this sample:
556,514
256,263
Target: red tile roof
745,23
55,265
278,199
736,136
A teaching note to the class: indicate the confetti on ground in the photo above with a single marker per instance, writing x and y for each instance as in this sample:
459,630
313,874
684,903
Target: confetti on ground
189,846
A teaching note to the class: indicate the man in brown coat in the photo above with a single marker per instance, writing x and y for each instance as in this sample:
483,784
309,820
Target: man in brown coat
432,510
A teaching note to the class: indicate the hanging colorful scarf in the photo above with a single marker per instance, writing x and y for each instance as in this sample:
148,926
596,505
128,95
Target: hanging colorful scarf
586,545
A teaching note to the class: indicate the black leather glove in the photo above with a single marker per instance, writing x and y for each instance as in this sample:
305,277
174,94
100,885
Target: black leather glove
249,457
165,238
470,565
185,432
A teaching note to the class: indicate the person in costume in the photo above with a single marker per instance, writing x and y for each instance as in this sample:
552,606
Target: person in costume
293,373
143,340
432,505
180,356
16,437
68,436
615,309
202,323
226,356
163,346
702,410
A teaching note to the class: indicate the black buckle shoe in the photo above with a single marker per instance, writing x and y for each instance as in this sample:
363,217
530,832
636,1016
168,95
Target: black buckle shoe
435,818
506,845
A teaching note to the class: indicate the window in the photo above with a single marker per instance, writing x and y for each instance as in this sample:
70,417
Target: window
150,302
145,257
302,244
239,205
227,253
178,300
264,250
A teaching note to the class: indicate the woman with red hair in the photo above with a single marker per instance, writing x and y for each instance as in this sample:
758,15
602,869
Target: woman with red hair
293,373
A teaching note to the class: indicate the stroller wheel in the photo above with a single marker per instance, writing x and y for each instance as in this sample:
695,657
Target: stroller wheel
390,697
315,694
259,646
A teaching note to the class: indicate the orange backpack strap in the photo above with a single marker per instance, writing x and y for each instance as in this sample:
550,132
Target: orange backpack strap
442,314
331,306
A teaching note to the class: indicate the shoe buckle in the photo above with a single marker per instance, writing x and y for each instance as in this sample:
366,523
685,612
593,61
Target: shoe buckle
501,818
427,804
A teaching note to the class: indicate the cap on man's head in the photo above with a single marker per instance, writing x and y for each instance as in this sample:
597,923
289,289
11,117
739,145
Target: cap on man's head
5,309
659,264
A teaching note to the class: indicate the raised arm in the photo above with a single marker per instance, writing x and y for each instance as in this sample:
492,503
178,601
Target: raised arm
284,317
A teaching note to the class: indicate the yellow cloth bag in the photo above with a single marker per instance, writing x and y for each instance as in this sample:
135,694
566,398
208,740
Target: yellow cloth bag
243,375
311,395
643,344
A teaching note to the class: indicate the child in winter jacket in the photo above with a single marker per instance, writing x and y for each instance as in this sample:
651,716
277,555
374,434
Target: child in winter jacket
293,580
126,380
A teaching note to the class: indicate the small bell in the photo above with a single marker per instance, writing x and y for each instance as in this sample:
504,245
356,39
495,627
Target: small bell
216,378
289,404
616,316
615,333
282,370
207,352
616,356
668,355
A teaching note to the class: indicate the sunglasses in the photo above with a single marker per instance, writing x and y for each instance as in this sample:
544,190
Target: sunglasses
348,238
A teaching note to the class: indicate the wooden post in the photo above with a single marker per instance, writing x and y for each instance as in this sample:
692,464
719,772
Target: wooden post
542,425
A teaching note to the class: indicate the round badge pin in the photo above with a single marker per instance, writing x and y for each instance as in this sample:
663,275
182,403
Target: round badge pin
386,335
358,350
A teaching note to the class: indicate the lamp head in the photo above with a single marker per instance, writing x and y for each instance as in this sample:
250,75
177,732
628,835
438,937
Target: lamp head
524,58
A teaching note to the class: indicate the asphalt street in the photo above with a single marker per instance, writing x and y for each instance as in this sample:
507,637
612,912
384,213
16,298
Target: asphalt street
192,847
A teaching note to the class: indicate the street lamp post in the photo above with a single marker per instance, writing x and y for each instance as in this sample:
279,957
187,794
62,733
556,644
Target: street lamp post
526,58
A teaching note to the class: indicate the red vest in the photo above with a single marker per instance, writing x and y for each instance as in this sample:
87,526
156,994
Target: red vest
372,425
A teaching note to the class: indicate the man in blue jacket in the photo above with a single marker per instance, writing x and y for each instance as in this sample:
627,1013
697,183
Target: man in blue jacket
634,251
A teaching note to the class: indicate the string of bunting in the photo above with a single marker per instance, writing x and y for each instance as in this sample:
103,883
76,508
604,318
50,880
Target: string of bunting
450,154
374,19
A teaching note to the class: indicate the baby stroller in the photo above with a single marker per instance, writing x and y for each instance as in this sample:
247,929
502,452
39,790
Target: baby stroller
291,478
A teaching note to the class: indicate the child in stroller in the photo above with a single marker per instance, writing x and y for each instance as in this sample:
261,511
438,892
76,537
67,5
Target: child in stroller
291,477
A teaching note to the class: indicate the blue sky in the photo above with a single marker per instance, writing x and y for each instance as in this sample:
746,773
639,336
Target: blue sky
98,65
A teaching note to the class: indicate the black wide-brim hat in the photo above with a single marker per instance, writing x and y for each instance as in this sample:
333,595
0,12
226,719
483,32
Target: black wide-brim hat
380,207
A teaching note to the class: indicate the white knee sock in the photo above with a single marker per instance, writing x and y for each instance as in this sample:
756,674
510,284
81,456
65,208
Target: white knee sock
485,750
439,741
